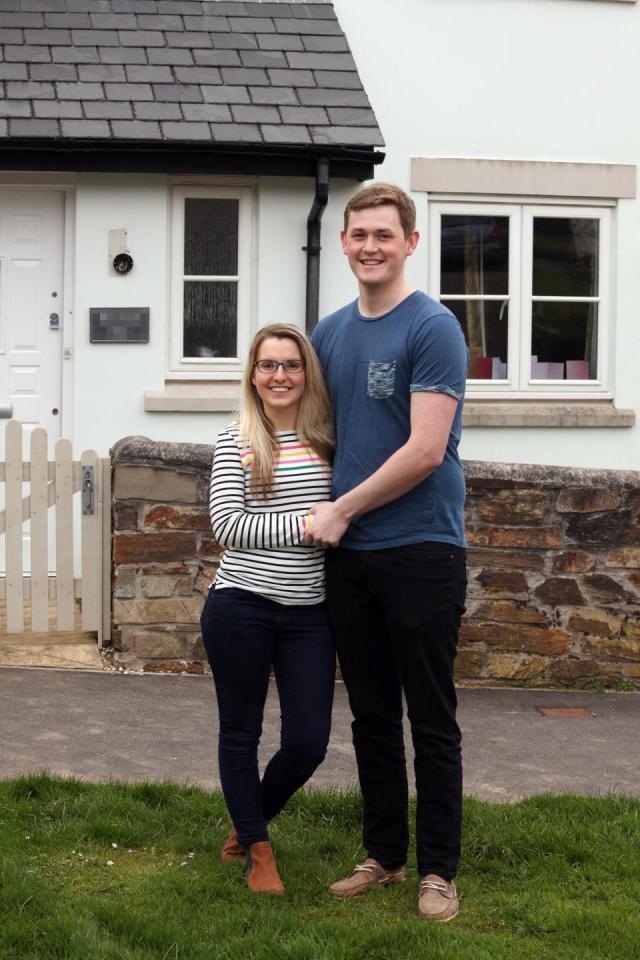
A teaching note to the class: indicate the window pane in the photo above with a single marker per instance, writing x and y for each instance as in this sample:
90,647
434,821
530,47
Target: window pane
474,255
485,324
210,237
210,319
564,341
565,257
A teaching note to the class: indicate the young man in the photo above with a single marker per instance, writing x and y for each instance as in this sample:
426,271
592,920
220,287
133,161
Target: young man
396,362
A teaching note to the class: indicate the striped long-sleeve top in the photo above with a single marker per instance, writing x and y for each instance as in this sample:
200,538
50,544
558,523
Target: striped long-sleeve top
263,537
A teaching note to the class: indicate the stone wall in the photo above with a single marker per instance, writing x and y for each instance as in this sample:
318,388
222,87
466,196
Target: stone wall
554,568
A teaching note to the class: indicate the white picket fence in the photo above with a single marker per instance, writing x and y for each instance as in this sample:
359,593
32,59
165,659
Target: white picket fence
52,485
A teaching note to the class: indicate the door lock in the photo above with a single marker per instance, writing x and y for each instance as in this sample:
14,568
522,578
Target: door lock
54,321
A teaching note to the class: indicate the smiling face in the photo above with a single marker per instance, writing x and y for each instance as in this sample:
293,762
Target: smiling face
280,391
377,247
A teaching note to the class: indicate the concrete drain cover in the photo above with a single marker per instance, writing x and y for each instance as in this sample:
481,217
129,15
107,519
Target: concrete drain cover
565,713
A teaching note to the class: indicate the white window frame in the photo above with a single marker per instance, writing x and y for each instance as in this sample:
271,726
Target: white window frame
519,384
206,368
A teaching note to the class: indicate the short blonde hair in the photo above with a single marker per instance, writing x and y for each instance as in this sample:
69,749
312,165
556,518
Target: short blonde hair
384,194
314,425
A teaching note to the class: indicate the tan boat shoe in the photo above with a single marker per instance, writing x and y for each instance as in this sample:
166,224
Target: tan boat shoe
438,899
365,876
232,849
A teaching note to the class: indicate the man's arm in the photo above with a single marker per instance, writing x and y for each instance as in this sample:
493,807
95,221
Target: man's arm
431,419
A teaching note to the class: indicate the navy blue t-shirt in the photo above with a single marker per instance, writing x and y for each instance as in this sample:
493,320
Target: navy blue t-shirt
372,365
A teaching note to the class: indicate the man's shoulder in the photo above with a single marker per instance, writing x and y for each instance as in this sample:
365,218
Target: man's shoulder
332,320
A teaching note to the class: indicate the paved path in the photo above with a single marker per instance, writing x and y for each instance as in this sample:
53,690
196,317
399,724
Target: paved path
101,726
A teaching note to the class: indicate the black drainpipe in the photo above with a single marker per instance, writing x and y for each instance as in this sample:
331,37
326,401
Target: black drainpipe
313,247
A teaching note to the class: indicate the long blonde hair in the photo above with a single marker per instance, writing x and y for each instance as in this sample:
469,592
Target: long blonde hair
314,424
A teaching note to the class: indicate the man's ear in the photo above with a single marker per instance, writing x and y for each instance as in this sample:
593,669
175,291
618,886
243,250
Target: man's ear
343,239
412,242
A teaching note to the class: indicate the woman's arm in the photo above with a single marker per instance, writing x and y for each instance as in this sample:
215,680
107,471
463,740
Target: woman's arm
232,525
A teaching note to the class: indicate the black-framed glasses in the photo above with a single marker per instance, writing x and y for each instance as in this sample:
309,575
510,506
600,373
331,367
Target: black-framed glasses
289,366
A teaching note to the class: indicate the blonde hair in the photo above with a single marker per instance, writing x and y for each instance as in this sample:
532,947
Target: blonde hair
314,424
380,195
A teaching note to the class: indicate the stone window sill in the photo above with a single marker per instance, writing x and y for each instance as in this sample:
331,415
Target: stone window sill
548,413
192,396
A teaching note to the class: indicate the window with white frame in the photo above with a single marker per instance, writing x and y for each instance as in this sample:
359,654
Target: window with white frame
211,279
529,284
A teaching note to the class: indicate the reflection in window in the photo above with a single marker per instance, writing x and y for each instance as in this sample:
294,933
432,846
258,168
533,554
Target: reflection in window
564,327
474,285
210,327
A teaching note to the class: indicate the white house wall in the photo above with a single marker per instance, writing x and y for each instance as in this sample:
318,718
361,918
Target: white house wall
522,80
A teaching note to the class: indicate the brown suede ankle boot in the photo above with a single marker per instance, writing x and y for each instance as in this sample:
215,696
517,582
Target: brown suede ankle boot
262,875
233,849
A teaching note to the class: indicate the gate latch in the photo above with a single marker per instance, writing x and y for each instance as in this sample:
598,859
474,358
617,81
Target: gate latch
87,491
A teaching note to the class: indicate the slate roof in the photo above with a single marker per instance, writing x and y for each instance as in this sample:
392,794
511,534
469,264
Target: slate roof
190,71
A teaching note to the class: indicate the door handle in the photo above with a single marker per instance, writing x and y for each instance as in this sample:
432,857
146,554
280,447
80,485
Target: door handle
6,411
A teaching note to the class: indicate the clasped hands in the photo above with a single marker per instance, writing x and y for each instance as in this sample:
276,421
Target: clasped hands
327,526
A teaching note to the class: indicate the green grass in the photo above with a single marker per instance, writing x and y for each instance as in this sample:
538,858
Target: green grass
551,877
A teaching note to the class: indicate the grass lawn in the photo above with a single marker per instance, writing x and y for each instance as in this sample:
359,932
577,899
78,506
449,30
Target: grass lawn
115,872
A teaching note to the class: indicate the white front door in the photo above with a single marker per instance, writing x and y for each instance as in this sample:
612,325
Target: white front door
31,313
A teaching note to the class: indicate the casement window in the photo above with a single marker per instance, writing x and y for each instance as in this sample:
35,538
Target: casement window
529,283
211,279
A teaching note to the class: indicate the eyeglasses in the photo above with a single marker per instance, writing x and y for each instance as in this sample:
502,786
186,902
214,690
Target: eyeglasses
289,366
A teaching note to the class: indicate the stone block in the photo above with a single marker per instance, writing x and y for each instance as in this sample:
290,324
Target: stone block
624,648
163,645
632,628
624,557
164,517
514,666
169,611
594,621
559,591
469,664
510,612
572,671
513,507
208,547
157,547
604,589
508,560
530,537
124,583
156,586
523,637
153,483
588,500
125,517
613,529
503,581
173,666
631,670
573,561
634,580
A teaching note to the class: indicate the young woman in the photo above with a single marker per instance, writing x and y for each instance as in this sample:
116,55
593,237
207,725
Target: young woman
265,611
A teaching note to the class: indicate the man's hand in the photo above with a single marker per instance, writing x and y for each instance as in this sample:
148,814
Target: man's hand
327,526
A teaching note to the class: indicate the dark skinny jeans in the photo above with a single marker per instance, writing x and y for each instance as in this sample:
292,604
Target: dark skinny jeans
246,636
395,615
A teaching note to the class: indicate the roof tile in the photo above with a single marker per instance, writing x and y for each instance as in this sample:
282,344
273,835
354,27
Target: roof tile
137,129
209,22
279,41
100,71
128,91
186,130
182,56
123,55
89,38
352,117
157,21
244,75
299,115
20,20
57,108
234,132
141,38
53,71
85,128
34,128
251,114
17,71
338,79
361,136
324,44
285,134
198,75
15,108
188,38
211,112
313,11
158,111
263,58
9,35
177,93
268,9
99,109
217,58
73,54
225,94
234,41
29,90
114,21
321,96
292,78
321,61
26,54
281,96
134,6
79,91
4,128
292,25
252,24
142,73
179,6
77,20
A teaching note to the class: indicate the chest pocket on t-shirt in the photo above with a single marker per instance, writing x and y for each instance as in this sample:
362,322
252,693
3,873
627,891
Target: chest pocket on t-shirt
381,379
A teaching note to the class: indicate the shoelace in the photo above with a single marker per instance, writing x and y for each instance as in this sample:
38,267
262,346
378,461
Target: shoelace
364,868
433,885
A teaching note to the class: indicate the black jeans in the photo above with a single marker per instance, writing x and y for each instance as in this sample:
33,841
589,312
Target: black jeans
395,615
245,635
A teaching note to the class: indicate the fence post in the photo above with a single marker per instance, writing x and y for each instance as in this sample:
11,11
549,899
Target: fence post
64,536
15,597
39,509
